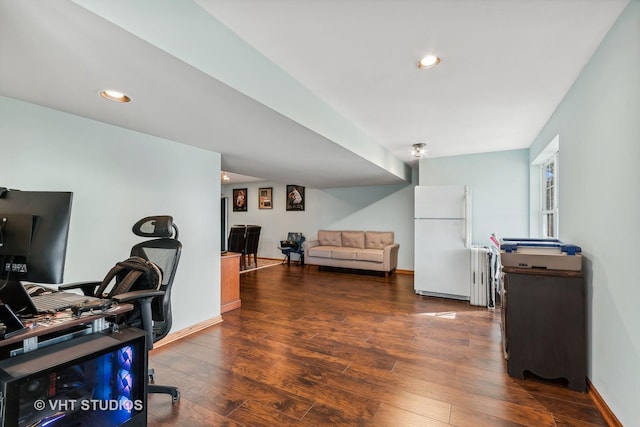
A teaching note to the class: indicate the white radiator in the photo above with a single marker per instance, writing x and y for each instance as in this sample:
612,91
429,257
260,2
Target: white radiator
482,292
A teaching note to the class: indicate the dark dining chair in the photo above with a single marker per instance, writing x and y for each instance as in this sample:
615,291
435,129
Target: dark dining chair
237,242
252,237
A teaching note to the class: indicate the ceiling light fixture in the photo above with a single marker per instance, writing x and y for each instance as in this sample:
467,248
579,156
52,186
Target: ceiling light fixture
225,177
419,150
114,95
428,61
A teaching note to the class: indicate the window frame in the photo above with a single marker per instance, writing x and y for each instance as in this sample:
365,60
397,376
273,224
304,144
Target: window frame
544,189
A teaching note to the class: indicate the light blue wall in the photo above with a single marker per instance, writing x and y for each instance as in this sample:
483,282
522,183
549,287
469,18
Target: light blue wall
362,208
599,126
117,177
499,183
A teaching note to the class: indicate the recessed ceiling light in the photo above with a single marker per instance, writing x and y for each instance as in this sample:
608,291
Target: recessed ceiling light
428,61
114,95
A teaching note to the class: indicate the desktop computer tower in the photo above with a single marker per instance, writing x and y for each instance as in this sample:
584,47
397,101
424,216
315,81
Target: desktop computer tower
94,380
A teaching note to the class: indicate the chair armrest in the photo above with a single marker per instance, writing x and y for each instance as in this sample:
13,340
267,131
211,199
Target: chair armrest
87,288
137,295
143,298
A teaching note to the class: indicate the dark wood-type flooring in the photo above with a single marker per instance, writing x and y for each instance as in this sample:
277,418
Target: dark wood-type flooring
311,348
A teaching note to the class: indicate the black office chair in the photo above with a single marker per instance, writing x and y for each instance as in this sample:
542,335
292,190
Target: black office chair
152,310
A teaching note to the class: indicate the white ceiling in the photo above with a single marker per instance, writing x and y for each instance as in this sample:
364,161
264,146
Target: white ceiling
506,64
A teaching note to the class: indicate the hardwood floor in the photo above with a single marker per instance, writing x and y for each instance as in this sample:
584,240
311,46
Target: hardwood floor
312,348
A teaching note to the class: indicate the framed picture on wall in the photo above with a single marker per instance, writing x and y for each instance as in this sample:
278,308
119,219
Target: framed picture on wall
264,197
239,200
295,198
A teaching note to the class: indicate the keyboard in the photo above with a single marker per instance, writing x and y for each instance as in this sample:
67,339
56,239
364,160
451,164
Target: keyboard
57,301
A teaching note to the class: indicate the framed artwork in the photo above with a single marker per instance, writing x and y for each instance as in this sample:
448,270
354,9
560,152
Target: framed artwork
295,198
264,197
239,200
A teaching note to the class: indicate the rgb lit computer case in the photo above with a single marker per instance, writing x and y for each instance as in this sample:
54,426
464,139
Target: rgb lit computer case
95,380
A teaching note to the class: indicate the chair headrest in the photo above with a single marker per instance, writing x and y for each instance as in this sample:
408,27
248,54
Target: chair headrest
155,226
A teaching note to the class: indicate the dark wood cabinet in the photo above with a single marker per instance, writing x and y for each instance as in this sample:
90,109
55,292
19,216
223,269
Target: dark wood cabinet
545,324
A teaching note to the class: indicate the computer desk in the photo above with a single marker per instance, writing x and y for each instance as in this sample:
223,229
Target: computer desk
62,344
48,329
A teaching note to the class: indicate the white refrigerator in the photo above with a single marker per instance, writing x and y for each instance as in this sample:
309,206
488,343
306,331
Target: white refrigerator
442,241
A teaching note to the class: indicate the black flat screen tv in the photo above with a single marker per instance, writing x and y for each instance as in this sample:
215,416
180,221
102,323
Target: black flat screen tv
34,232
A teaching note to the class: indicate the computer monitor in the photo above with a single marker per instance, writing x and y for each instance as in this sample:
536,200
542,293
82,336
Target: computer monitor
34,231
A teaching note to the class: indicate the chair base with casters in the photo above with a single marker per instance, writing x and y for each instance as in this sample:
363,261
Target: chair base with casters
163,389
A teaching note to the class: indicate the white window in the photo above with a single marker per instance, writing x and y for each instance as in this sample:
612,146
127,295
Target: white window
543,192
549,196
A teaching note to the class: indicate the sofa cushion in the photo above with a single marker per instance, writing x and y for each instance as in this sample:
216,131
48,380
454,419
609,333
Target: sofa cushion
330,238
374,255
321,251
344,253
378,239
353,239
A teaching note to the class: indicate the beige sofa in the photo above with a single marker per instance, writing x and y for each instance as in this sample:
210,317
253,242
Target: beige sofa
364,250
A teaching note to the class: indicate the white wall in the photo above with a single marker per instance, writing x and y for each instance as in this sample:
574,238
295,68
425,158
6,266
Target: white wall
499,184
599,127
117,177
